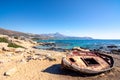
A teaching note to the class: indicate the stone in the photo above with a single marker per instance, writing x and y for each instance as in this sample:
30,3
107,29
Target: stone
112,46
81,49
10,72
17,50
35,57
102,74
50,58
30,50
23,60
9,54
49,44
5,49
3,45
11,49
56,49
33,42
114,51
28,58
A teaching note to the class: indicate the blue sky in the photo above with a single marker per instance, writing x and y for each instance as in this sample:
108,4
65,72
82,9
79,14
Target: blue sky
95,18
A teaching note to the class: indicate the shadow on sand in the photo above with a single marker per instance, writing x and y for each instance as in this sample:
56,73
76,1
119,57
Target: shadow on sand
56,69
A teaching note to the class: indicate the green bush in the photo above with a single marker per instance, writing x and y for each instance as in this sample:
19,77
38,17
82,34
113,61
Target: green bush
2,39
15,37
34,39
14,45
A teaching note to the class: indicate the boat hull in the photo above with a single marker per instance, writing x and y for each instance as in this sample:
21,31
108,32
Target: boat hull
66,64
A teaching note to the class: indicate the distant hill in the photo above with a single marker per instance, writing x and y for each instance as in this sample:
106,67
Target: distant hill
61,36
12,33
39,36
54,35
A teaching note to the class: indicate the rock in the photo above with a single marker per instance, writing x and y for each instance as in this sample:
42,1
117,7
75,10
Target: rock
34,57
81,49
29,50
35,47
9,54
56,49
102,74
112,46
10,72
101,47
49,44
3,46
28,58
114,51
6,49
50,58
11,49
40,43
33,42
17,50
23,60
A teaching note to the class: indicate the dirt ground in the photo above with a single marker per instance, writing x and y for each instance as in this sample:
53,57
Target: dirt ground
51,70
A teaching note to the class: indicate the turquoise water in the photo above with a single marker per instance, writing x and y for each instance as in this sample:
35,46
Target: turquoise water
90,44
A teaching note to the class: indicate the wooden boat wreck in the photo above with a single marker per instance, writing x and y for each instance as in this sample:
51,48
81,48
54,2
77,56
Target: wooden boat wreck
87,62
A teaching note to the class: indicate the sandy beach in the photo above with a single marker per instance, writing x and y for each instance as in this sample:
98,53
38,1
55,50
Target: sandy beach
37,64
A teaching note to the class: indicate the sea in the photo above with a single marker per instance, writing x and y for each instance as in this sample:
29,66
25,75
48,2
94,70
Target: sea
89,44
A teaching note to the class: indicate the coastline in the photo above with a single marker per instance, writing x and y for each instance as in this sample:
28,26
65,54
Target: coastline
104,46
29,63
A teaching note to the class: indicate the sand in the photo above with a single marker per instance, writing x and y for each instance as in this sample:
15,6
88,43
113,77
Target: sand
51,70
43,68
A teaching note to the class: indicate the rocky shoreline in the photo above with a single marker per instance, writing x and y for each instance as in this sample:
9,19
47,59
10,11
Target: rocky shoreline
110,49
29,63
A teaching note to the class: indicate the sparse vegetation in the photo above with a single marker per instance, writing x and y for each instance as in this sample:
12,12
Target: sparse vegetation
10,44
14,45
2,39
35,39
16,37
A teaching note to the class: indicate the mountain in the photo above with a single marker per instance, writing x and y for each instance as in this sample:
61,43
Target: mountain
12,33
54,35
39,36
61,36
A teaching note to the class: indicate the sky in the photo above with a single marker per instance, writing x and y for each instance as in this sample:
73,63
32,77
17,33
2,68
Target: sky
99,19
